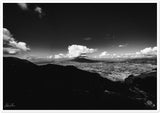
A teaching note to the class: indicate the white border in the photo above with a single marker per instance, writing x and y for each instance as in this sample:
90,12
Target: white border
1,56
80,1
158,55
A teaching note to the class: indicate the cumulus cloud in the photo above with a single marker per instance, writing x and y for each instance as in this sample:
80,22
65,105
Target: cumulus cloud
148,51
7,35
11,46
23,6
75,51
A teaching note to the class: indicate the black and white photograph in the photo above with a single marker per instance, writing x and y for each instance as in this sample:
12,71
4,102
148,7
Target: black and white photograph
79,56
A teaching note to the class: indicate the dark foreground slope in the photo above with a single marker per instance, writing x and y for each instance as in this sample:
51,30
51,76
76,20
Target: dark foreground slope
28,86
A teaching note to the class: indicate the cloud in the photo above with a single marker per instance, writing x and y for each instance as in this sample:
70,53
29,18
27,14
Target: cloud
10,51
60,55
149,51
11,46
39,11
124,45
75,51
120,45
87,38
23,6
50,57
146,52
7,35
112,55
103,54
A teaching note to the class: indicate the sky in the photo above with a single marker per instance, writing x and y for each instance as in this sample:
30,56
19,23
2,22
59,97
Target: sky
69,29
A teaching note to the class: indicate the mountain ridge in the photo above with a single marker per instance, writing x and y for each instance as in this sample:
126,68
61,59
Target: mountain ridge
51,86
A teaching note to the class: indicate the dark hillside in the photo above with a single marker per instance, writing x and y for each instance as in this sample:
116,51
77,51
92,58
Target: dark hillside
28,86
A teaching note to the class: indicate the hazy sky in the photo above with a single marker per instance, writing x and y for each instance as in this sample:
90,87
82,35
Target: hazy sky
50,28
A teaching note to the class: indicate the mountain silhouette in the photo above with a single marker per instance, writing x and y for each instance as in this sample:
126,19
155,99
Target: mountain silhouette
27,86
149,60
82,59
